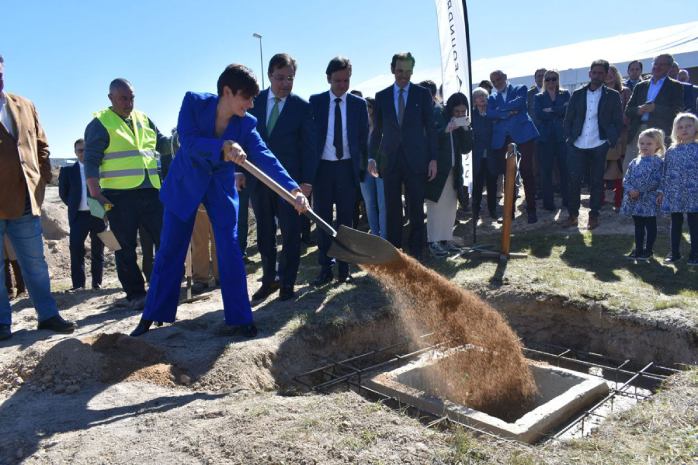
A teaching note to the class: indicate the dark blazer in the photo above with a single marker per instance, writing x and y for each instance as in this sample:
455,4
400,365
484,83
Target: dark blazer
198,161
530,99
70,189
293,140
610,117
462,143
519,126
668,104
417,135
357,127
553,119
630,84
482,140
689,97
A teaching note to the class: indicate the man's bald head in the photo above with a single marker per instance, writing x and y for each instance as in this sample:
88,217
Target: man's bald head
121,97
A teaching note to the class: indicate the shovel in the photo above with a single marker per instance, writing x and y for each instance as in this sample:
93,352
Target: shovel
348,245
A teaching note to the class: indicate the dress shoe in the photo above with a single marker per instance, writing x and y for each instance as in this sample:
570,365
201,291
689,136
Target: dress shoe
142,328
58,324
570,221
249,330
198,287
286,293
593,222
97,287
265,291
73,290
325,277
137,303
5,332
345,278
532,218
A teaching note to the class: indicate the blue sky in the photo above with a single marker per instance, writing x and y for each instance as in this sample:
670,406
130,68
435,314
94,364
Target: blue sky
62,55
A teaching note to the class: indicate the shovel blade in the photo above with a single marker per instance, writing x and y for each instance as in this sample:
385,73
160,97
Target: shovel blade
352,246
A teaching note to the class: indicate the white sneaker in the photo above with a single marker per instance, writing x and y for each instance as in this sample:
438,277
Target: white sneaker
450,247
437,251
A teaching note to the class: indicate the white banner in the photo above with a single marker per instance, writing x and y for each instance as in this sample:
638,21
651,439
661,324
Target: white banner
453,39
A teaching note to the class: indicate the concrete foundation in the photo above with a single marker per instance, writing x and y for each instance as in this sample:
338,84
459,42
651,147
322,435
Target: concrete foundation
562,393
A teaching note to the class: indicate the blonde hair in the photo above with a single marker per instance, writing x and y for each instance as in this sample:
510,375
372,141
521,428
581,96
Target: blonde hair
677,120
552,71
657,135
617,83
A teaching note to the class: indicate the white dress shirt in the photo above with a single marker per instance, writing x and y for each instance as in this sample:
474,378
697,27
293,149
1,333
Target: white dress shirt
83,195
396,96
270,104
590,138
652,92
504,92
5,115
329,152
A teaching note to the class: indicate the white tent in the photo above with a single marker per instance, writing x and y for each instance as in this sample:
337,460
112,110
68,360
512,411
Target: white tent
573,60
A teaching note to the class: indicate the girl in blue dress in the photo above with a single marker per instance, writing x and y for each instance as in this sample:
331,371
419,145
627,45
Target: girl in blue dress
679,190
641,184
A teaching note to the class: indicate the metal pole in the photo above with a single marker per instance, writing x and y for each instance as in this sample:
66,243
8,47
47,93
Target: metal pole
261,58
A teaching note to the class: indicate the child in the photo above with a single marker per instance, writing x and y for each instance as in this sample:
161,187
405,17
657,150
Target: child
679,190
641,182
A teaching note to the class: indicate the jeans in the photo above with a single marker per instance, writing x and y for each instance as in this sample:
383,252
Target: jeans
548,152
25,233
133,208
676,226
642,224
576,162
374,199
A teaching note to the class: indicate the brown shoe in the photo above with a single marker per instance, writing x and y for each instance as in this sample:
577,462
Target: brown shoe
593,222
570,221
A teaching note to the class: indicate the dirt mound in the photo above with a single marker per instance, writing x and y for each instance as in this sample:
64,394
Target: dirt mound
495,378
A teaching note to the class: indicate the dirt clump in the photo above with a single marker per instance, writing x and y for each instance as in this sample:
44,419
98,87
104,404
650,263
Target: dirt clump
493,377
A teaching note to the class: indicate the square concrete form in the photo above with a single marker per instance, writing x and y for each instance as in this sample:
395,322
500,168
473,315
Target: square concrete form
562,393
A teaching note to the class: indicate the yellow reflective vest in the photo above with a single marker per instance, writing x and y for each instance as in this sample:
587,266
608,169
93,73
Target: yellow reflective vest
131,153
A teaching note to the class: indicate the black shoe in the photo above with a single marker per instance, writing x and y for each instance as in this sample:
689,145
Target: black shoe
97,287
5,332
198,287
634,255
532,218
142,328
345,278
307,240
58,324
73,290
286,293
265,291
645,256
249,330
325,277
671,258
248,260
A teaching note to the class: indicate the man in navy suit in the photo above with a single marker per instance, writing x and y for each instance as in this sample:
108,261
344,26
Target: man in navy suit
285,122
341,123
634,74
73,192
404,150
507,107
213,129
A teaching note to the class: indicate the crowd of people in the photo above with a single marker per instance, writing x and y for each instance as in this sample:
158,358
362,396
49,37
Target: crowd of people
394,153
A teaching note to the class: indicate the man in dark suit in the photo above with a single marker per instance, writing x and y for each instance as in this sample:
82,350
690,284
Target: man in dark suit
654,104
507,107
404,149
689,98
593,123
285,122
73,192
634,74
530,99
341,123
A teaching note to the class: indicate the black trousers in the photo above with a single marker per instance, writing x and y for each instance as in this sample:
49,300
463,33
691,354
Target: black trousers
645,224
85,224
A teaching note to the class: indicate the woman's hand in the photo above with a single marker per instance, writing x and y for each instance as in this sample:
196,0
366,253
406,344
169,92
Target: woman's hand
660,196
372,168
301,203
451,126
233,152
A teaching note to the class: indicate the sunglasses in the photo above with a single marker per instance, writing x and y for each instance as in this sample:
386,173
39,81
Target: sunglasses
551,79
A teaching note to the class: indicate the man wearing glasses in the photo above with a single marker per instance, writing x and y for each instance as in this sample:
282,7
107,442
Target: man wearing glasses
73,192
285,122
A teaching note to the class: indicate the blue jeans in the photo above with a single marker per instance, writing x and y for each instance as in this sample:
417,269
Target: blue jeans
577,160
374,199
25,233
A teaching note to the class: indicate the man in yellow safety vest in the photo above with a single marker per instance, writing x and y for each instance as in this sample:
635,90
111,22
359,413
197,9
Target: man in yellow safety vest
121,150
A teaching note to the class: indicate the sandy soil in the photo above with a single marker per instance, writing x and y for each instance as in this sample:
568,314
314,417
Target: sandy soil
196,391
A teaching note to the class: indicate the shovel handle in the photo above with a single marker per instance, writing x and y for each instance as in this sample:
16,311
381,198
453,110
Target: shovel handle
286,195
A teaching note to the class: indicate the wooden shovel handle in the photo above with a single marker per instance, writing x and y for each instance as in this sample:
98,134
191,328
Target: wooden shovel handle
286,195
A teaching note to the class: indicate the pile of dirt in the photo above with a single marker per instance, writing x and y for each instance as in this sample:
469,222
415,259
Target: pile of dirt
495,377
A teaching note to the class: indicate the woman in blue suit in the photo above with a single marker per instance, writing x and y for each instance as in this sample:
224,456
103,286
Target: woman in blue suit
213,129
550,106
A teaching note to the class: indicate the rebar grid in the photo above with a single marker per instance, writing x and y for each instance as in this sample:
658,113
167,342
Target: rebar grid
352,371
